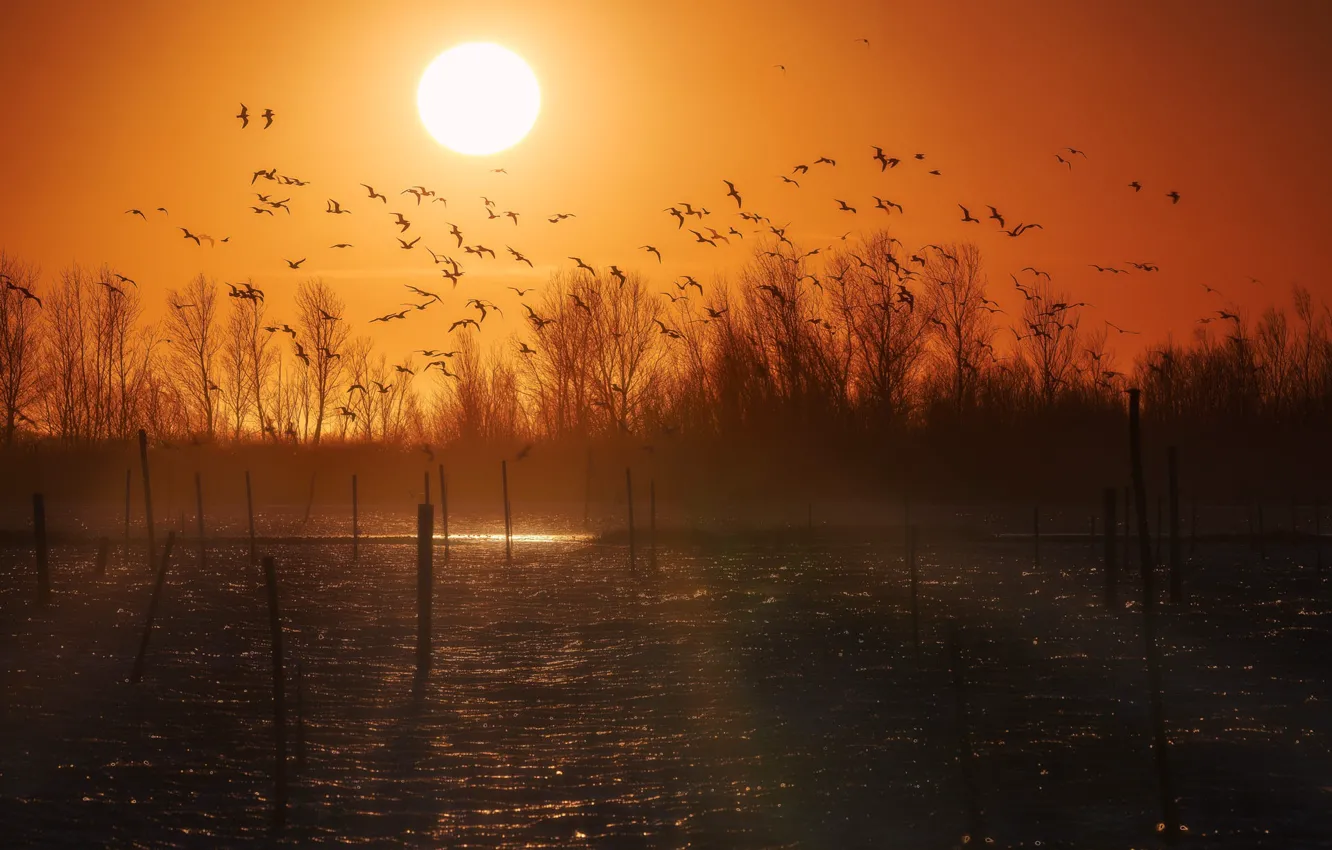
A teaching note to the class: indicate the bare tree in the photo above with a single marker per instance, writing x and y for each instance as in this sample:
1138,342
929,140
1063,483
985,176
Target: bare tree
191,320
19,344
323,336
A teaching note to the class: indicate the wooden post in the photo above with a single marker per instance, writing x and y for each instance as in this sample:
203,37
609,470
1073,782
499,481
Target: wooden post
136,675
1318,531
39,548
1111,583
1160,529
249,512
965,751
1262,536
425,516
300,716
147,496
356,528
1165,785
444,510
198,498
508,517
587,490
103,550
1036,536
914,574
652,521
279,703
1176,568
128,473
309,502
1193,526
1128,517
629,499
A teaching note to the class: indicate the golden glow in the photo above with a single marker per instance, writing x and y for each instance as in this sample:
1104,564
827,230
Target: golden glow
478,98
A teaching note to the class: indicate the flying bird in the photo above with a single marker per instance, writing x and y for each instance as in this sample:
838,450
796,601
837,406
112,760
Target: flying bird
407,246
244,116
1173,196
584,266
401,222
268,116
651,250
966,215
1136,186
139,213
296,264
373,193
732,193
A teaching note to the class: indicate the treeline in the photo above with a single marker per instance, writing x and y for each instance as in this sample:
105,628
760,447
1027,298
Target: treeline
860,345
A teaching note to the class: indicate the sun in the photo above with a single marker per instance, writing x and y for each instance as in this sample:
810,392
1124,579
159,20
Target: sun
478,98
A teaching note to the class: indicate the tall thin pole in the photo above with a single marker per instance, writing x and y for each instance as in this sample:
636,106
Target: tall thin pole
965,750
136,675
147,495
652,521
425,518
444,510
128,474
1036,536
39,546
1108,507
915,590
629,499
1176,568
508,517
1169,806
279,702
249,511
198,498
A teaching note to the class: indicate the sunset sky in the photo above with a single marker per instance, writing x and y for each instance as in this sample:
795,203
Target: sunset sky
113,106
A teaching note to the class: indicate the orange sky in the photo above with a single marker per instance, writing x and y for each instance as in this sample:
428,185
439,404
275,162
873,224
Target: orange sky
649,104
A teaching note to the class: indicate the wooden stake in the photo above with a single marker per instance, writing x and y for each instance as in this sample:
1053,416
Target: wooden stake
249,511
147,496
103,550
309,502
1176,567
198,498
356,528
136,675
425,516
1036,536
279,702
444,510
629,499
39,548
914,574
965,750
1111,579
508,517
1169,805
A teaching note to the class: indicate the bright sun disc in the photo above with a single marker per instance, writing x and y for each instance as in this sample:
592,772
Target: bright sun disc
478,98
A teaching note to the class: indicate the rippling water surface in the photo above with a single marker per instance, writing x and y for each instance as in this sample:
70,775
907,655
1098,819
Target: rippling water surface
738,695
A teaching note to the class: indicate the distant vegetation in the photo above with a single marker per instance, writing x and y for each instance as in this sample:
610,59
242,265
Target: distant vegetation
886,348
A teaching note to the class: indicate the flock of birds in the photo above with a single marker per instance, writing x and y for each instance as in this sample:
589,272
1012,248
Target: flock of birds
707,229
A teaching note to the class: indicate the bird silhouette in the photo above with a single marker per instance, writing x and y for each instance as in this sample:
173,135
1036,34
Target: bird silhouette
584,266
139,213
966,215
651,250
268,116
295,264
786,179
844,206
1136,186
244,116
373,193
518,257
189,235
401,222
1173,196
342,245
407,246
462,323
732,193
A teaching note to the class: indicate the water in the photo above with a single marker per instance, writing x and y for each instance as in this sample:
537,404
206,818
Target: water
737,696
